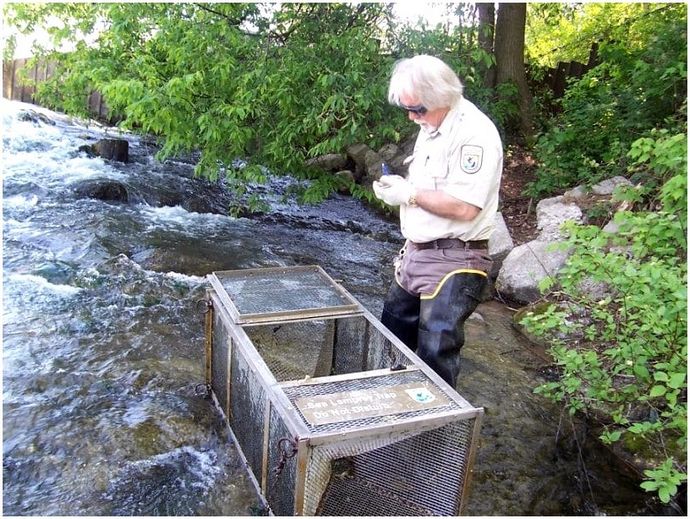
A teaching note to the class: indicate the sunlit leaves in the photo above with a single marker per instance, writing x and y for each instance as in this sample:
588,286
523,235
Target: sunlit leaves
639,85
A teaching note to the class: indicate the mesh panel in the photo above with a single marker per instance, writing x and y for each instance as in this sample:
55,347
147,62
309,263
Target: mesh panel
428,469
281,290
331,461
357,496
351,347
421,474
383,353
248,400
317,348
280,491
295,350
219,366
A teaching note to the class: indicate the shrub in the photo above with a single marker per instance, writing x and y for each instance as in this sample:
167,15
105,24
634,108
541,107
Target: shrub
622,348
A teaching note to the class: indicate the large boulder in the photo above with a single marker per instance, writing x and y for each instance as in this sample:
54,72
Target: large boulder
552,213
357,153
608,186
372,167
525,267
388,152
113,149
500,244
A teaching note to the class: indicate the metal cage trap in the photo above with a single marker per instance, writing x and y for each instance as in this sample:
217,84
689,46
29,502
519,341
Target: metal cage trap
332,413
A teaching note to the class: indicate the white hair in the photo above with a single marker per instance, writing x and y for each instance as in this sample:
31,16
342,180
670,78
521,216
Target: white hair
428,79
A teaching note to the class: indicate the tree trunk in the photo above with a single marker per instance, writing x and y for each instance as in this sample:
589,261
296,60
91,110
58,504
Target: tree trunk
487,23
510,54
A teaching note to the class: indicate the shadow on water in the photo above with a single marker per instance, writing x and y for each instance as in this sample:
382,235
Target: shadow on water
103,340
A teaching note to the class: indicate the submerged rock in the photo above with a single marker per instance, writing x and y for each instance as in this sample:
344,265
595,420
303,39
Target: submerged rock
107,190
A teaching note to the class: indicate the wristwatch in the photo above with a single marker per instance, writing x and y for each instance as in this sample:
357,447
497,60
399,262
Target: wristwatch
412,201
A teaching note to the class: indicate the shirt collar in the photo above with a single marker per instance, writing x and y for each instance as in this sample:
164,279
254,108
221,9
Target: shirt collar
452,114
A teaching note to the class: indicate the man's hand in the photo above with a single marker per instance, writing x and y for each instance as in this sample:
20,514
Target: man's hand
393,190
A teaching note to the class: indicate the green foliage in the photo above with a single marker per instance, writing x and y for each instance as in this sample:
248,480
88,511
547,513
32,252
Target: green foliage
564,32
219,78
639,85
273,84
503,107
665,480
618,322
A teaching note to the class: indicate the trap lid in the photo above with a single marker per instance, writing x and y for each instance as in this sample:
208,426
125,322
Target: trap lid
281,294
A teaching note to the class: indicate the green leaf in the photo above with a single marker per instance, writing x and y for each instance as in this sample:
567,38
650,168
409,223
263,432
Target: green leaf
677,380
657,391
661,376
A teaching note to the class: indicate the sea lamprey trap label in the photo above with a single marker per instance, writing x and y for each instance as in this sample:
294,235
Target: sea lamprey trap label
367,403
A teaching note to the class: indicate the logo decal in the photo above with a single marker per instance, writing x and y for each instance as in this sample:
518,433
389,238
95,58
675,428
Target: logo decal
471,158
421,395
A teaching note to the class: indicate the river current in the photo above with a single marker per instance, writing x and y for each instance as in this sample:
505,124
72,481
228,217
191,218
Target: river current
103,338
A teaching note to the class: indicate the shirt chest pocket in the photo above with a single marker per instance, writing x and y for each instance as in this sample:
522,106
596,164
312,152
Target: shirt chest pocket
432,171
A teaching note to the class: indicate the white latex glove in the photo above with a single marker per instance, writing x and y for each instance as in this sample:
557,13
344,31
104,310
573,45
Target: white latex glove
393,190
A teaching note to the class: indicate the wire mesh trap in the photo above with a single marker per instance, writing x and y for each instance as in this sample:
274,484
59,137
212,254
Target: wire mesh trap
332,413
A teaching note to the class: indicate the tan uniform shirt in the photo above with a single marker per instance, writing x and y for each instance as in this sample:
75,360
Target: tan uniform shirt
464,158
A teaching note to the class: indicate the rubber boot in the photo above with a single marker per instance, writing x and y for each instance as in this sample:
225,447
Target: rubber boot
441,325
401,315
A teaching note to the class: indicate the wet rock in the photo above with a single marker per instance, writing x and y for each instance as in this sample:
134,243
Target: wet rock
202,204
88,149
107,190
35,117
112,149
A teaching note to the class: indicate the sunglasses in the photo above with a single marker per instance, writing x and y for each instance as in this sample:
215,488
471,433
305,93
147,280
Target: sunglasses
416,109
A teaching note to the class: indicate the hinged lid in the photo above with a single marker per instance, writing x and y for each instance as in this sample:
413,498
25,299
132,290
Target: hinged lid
281,294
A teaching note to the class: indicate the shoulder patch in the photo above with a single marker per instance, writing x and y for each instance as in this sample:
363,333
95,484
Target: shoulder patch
471,158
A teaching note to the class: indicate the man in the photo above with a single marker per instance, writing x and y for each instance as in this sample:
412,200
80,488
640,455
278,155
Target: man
447,207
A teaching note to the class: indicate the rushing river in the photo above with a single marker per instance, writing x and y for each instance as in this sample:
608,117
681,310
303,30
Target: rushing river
103,339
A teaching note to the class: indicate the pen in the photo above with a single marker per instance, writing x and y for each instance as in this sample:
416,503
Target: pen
385,170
